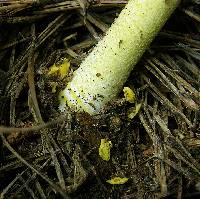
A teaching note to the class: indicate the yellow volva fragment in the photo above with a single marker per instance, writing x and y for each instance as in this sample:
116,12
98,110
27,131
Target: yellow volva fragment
104,149
53,69
132,112
117,180
60,70
129,95
64,68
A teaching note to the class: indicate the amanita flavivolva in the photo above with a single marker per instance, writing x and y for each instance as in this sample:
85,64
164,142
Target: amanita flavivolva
102,74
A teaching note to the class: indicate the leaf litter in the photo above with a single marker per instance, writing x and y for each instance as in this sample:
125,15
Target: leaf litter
48,154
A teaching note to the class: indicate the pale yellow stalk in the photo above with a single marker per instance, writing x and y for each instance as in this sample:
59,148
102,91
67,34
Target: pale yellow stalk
102,74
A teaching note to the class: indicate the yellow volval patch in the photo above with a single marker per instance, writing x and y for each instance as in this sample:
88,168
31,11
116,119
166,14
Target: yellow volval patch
104,149
53,69
117,180
129,95
60,70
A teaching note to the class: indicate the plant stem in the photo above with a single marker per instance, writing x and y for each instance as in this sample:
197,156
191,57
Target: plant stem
102,74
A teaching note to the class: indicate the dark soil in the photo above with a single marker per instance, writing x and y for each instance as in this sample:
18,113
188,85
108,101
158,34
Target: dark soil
48,154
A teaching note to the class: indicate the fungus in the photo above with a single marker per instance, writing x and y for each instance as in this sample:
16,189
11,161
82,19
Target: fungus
116,54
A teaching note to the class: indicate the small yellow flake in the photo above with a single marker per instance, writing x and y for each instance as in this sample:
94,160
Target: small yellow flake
117,180
64,68
60,70
132,112
104,149
129,95
53,69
